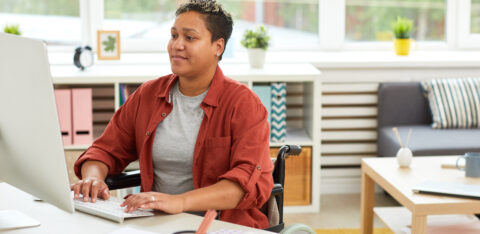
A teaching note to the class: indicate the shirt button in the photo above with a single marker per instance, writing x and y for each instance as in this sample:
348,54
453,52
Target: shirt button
148,133
259,168
163,114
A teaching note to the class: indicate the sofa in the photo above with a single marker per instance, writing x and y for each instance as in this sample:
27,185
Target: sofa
403,105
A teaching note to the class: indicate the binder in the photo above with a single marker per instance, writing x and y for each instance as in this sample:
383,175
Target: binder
64,102
279,113
82,116
264,93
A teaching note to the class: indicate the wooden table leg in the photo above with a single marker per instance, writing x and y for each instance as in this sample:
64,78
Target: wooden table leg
419,224
367,202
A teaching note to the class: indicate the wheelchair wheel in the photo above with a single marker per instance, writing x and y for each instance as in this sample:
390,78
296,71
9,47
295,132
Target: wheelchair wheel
298,228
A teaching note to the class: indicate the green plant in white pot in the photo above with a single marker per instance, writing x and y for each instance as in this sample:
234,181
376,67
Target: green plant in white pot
256,42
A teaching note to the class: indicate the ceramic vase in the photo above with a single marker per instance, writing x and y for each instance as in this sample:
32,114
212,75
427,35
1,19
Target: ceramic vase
404,157
402,46
256,57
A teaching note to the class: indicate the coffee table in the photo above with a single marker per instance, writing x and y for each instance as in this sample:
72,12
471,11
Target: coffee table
398,182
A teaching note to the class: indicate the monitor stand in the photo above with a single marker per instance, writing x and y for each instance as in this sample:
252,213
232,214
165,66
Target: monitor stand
13,219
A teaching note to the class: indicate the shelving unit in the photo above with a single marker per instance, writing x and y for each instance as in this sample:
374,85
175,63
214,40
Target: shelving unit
303,101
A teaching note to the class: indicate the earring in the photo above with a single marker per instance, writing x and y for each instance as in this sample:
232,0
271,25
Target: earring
218,55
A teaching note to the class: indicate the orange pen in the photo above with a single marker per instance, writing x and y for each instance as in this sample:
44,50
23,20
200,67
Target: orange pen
207,221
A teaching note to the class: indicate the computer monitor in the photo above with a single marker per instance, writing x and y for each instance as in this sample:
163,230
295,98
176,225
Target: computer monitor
31,149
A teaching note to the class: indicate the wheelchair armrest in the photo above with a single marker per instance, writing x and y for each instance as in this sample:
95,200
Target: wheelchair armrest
277,189
123,180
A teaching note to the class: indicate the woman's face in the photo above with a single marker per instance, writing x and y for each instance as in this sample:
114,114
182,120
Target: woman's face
190,48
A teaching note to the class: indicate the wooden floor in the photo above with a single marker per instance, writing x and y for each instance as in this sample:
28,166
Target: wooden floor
338,211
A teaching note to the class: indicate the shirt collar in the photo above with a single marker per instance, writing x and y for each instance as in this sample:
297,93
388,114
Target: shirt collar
213,93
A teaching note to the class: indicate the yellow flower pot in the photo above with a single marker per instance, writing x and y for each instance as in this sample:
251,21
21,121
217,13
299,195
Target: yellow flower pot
402,46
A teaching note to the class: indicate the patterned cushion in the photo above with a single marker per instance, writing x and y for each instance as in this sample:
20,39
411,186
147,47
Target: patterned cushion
454,103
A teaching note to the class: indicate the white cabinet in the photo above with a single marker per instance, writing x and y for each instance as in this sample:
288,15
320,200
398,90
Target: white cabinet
303,100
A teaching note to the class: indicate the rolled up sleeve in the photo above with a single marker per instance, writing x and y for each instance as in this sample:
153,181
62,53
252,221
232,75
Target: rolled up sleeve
250,162
116,146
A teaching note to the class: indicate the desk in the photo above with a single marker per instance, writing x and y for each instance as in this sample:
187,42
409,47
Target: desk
54,220
398,182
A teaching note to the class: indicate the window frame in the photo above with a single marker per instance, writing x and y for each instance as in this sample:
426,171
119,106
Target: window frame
340,6
331,37
466,39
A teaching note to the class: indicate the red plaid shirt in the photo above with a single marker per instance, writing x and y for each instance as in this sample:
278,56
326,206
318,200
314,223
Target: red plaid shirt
232,143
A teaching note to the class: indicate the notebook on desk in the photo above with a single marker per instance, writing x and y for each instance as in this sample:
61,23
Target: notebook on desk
448,189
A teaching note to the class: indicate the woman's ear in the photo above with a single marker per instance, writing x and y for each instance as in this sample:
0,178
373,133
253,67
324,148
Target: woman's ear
219,46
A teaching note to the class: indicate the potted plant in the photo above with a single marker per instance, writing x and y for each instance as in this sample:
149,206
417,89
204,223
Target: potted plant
402,28
256,42
12,29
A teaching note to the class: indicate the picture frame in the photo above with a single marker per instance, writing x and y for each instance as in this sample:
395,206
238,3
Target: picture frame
108,44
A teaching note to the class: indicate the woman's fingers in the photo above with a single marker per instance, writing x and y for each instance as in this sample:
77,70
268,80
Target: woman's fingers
136,201
172,204
76,189
105,193
86,189
92,188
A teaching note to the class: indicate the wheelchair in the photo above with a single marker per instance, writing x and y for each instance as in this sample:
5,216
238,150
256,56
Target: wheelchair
273,208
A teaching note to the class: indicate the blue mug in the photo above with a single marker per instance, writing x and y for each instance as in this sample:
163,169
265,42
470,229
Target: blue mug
472,164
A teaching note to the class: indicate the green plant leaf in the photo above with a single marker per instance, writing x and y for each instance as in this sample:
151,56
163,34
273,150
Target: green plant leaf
12,29
109,44
402,28
256,39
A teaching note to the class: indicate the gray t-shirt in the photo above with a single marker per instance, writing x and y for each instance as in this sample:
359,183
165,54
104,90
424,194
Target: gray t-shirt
174,143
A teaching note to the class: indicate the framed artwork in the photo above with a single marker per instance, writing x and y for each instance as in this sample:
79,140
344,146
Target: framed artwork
108,45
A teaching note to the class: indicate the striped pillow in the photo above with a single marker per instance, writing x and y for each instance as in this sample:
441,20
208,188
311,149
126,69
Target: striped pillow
454,103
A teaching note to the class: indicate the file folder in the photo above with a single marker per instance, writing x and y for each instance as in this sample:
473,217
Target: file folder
82,116
63,98
264,93
279,113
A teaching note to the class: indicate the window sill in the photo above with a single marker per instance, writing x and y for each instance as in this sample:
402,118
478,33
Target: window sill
322,60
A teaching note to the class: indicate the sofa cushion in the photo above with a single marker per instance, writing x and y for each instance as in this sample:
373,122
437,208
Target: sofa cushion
454,103
426,141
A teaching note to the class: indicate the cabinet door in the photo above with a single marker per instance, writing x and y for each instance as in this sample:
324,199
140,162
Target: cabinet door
297,177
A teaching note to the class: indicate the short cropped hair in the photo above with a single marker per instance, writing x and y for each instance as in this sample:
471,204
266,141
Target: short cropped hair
217,20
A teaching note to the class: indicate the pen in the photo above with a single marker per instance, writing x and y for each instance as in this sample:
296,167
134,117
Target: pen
207,220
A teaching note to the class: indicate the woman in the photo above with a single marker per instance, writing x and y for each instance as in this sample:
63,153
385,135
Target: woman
200,137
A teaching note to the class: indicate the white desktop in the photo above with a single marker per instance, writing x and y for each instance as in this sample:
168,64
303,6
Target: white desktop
31,151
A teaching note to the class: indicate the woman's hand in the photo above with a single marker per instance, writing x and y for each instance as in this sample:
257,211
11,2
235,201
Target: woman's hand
172,204
92,183
90,187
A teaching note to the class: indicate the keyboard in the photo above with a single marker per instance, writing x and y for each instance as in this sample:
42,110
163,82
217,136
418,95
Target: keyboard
109,209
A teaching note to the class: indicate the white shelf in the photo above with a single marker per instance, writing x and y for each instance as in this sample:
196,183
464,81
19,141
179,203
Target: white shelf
304,75
295,136
399,220
76,147
135,73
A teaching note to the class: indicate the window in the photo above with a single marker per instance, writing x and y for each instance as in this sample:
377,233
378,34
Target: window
469,24
287,21
292,24
370,20
148,22
55,21
475,17
139,22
